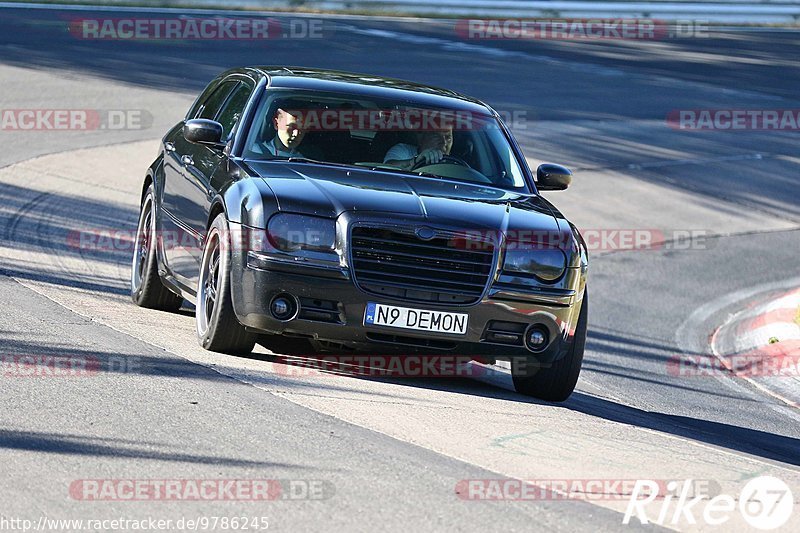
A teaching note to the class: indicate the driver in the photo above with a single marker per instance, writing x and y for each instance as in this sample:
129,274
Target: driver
431,147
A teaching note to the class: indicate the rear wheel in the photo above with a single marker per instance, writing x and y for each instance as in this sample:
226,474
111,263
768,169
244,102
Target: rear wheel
146,287
556,383
218,329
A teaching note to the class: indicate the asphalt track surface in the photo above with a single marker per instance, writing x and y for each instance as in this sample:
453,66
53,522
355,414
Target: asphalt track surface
392,452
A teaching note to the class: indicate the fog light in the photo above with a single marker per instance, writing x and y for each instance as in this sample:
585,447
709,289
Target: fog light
536,338
283,307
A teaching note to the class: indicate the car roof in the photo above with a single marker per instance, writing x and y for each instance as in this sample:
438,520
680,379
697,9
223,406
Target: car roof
363,85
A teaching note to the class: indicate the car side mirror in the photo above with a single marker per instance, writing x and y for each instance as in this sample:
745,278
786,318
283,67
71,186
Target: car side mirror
550,177
203,131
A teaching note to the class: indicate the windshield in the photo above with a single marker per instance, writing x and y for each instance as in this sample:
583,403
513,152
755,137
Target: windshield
396,136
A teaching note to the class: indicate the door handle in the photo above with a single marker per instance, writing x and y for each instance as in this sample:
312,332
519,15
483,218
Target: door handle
169,147
187,160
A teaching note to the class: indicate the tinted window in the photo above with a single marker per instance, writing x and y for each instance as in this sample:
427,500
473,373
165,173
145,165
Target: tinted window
233,109
211,106
386,133
198,103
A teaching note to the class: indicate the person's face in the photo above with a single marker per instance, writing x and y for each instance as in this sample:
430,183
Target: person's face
439,140
288,128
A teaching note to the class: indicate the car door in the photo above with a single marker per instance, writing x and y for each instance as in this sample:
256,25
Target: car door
191,189
181,233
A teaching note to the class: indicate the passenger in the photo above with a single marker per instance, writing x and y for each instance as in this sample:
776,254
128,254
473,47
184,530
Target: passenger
289,135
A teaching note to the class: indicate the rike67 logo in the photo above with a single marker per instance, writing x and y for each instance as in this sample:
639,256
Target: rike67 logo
765,503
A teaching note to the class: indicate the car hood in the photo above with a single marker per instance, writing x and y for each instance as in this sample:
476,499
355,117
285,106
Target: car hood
329,191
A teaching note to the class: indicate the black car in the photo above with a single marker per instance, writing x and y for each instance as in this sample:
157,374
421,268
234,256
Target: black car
362,213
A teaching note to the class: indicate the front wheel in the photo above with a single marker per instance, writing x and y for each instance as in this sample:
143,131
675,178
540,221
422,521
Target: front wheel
556,383
146,287
218,329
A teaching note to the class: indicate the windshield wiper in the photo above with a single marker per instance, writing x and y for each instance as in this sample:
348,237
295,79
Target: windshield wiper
315,161
405,172
294,159
360,167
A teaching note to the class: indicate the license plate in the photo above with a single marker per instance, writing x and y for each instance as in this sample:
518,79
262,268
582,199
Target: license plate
418,319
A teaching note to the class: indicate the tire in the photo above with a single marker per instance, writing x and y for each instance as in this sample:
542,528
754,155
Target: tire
556,383
146,287
218,329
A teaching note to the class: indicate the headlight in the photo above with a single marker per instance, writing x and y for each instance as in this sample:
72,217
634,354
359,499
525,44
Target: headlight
547,265
293,233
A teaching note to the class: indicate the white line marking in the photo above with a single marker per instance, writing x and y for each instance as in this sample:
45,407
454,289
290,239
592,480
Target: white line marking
756,384
684,338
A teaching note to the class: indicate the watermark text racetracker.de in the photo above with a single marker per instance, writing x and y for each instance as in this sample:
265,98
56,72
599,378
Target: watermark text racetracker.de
123,241
745,365
734,119
579,29
65,366
207,489
40,119
570,489
385,366
198,28
596,239
410,119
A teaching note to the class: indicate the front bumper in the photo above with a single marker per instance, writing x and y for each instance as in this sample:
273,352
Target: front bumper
340,307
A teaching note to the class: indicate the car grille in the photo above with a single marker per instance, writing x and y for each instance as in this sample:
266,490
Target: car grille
452,270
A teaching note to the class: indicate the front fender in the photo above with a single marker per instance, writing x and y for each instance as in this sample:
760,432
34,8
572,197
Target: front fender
248,201
584,250
153,175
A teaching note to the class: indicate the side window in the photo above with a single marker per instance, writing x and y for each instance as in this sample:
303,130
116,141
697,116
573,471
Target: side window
200,100
233,109
211,106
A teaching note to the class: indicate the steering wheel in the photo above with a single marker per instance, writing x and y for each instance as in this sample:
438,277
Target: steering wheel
453,160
